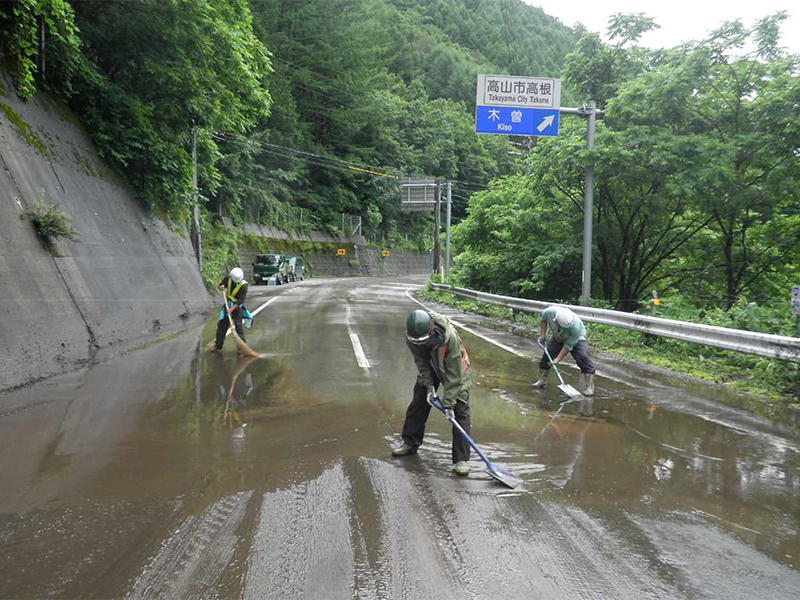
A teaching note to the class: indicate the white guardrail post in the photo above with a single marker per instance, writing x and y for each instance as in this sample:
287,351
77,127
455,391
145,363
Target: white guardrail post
749,342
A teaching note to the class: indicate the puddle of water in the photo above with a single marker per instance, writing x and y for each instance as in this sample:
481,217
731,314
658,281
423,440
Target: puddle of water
662,451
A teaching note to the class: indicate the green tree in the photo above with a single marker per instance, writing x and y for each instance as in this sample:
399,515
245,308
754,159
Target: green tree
152,71
28,27
515,240
733,115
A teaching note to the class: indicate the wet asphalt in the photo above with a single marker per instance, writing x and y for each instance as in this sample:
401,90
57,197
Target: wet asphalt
170,472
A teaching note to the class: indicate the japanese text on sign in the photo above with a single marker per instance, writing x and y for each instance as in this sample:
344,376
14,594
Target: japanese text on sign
507,90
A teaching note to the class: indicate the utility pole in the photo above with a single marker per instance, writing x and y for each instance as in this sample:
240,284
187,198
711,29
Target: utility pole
588,210
437,222
447,252
195,208
590,112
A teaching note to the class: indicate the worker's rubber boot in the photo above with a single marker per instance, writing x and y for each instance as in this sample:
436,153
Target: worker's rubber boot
403,450
543,374
587,383
461,468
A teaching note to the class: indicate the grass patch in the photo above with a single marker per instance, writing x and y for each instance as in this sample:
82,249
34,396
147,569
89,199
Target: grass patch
50,223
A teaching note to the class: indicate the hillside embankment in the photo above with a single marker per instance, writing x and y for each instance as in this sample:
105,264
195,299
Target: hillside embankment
127,279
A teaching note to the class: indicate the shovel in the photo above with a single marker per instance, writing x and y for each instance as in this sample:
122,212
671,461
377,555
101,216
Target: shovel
564,387
240,343
496,471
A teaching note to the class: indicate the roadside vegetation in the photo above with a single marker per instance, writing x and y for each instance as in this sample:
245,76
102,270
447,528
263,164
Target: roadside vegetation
697,187
50,223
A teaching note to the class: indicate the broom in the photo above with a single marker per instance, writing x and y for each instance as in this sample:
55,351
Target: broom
240,343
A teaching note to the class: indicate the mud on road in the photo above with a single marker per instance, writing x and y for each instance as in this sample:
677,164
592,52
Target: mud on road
171,472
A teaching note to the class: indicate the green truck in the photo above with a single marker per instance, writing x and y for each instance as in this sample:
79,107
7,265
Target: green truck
267,266
297,268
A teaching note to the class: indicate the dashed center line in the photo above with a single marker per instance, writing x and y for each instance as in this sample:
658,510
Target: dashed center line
361,358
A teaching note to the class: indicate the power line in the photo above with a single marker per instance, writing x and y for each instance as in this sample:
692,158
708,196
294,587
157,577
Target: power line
318,159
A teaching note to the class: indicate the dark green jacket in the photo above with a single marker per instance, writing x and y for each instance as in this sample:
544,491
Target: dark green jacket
447,360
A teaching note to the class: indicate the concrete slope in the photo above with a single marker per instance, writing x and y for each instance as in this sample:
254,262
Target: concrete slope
127,279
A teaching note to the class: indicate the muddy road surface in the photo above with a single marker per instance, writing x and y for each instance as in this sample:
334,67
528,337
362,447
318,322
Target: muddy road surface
170,472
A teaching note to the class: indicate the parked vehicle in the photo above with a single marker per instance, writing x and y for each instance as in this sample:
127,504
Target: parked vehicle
297,269
267,266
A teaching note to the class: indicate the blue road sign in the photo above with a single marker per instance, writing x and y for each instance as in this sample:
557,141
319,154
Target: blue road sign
516,121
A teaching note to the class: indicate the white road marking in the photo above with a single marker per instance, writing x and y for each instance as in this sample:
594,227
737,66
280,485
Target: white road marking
475,333
256,311
361,358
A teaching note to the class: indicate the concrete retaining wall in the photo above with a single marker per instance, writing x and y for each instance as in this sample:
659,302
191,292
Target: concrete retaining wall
128,278
359,260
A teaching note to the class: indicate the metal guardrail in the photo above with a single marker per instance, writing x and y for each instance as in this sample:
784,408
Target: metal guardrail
749,342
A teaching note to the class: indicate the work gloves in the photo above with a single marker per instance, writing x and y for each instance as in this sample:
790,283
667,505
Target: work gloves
542,339
431,394
448,411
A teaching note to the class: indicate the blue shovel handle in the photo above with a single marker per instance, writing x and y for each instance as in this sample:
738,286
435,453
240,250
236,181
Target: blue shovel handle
437,403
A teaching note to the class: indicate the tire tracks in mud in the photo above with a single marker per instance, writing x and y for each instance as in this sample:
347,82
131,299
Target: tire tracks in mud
302,547
420,550
194,558
444,540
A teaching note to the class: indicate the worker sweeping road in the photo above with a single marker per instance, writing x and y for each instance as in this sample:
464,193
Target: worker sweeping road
235,288
569,336
441,358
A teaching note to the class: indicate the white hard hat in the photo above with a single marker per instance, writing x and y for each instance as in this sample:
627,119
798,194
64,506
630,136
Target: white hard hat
237,274
565,317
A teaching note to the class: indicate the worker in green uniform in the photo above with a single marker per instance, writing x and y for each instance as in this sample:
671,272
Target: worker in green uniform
569,337
441,359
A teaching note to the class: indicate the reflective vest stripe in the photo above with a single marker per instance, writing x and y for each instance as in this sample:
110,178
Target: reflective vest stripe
232,294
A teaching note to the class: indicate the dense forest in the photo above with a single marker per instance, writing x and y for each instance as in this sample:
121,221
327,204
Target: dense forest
317,105
304,110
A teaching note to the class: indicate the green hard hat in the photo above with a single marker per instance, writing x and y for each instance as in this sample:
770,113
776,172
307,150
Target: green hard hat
419,327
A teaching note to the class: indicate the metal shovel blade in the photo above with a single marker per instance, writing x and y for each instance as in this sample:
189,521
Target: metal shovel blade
570,391
495,471
503,476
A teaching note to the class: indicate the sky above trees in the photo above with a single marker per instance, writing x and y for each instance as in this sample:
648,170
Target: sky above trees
680,20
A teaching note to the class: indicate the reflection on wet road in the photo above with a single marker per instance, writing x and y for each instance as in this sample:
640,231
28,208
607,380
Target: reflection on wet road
174,473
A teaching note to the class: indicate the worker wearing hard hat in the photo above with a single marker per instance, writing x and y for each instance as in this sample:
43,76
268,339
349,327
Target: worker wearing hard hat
235,288
569,336
441,359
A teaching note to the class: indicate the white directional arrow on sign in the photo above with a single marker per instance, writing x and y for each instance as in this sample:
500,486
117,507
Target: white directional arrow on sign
548,120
